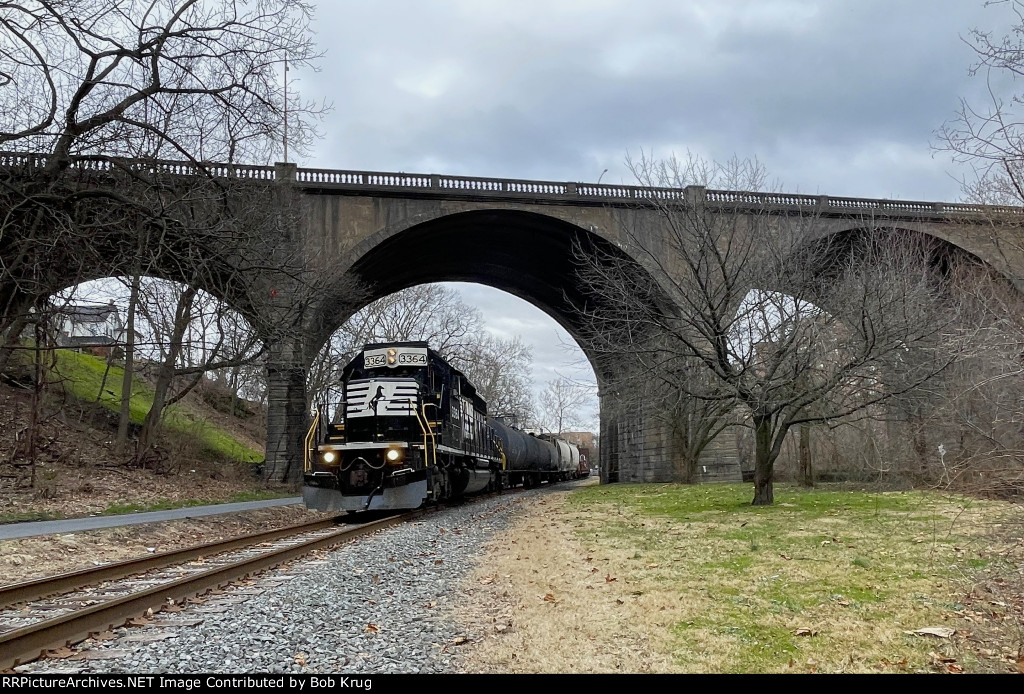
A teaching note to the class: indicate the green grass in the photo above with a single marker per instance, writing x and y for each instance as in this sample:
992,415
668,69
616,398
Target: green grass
861,570
82,376
664,500
758,642
29,516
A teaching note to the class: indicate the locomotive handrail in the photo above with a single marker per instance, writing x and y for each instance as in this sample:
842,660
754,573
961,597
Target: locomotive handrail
307,453
501,453
427,431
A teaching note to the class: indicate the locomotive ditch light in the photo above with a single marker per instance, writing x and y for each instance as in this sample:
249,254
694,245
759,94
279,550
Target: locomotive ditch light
393,455
329,457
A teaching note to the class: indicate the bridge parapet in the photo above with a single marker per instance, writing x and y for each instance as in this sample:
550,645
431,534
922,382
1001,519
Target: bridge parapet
27,160
470,187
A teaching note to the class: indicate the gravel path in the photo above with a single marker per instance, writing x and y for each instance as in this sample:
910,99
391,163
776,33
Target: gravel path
382,604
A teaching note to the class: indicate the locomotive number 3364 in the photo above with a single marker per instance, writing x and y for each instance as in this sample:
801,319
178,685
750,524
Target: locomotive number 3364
395,357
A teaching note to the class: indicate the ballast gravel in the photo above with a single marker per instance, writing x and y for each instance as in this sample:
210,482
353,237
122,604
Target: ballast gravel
381,604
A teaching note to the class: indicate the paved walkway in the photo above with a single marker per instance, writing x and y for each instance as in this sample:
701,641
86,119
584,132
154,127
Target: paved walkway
11,531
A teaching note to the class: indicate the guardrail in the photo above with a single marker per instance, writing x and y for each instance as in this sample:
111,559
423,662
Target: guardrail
463,186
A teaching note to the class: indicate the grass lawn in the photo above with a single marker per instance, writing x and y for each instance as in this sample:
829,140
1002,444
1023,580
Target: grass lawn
823,580
664,578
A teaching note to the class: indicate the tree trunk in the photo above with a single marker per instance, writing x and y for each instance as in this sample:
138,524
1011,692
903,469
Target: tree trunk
106,374
236,400
37,390
764,462
182,316
686,462
129,366
19,318
10,342
806,471
686,468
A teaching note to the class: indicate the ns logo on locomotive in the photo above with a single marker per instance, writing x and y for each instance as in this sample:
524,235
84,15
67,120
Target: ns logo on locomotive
410,429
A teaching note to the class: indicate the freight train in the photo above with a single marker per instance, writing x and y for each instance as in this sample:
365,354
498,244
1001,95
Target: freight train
411,429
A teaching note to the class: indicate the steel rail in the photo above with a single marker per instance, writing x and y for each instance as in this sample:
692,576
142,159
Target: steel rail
36,589
28,643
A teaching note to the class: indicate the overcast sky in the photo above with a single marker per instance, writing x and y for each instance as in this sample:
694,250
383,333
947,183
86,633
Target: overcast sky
837,97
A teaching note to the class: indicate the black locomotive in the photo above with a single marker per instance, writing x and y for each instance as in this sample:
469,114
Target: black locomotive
411,428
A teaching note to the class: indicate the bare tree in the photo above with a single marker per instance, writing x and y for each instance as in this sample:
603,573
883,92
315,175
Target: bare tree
561,403
429,312
976,413
436,314
789,326
433,313
185,332
966,430
500,369
88,81
990,136
113,111
694,422
191,79
124,414
242,371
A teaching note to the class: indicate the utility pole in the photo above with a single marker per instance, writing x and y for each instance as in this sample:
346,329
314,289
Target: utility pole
286,109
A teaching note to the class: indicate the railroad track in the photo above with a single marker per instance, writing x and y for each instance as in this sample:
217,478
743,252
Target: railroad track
53,612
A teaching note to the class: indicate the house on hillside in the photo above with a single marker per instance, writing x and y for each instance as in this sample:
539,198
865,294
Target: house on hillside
91,327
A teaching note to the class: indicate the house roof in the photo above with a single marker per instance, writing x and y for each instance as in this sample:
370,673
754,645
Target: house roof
82,313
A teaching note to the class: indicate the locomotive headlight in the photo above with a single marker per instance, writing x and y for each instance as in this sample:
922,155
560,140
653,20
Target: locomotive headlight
393,455
392,356
329,457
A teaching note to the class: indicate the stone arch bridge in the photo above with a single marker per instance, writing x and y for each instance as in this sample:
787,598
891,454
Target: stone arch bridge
395,230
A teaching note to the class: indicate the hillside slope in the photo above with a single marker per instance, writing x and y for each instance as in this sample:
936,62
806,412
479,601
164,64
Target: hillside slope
204,454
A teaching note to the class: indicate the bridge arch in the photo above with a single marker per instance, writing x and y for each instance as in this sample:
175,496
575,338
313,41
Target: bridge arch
527,254
974,243
524,253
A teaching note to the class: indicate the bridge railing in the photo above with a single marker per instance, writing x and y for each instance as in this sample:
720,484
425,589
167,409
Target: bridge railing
471,186
766,199
23,160
568,191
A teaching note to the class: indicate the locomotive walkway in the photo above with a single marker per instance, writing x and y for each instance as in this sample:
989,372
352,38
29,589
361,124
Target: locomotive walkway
13,531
